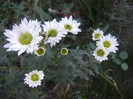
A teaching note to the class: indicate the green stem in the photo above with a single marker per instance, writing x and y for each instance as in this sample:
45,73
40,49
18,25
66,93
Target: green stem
35,6
113,84
105,78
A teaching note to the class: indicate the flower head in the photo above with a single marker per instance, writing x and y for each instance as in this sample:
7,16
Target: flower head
33,79
109,42
40,52
24,37
97,34
53,32
69,25
64,51
101,54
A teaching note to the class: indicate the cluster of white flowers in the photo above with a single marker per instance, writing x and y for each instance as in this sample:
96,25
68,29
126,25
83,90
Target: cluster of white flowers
28,35
105,45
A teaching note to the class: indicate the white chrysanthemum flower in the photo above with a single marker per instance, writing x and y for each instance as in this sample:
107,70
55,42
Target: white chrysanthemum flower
101,54
109,42
23,37
64,51
69,25
40,52
53,31
33,79
97,34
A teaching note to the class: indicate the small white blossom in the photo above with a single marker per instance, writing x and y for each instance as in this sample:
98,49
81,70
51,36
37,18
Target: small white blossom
34,78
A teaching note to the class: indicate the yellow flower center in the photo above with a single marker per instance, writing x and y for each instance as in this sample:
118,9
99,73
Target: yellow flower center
41,51
64,51
106,44
68,27
100,52
52,33
97,35
25,38
34,77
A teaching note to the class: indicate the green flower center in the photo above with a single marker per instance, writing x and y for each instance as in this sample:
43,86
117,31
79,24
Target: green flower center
64,51
106,44
34,77
25,38
100,52
40,51
68,27
52,33
97,35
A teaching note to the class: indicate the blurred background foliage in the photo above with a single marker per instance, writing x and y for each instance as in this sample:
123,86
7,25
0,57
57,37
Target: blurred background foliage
77,75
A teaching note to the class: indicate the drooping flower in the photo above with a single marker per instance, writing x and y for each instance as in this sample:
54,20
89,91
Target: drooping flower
40,52
34,78
109,42
64,51
52,28
69,25
101,54
97,34
24,37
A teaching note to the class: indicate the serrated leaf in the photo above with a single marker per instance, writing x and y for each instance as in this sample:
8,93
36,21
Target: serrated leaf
123,55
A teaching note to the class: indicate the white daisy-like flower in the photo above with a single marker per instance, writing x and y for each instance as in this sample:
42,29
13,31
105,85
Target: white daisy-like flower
64,51
52,28
97,34
69,25
109,42
101,54
40,52
34,78
23,37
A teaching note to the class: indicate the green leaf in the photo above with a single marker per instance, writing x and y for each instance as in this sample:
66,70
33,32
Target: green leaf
124,66
68,6
65,5
71,5
113,55
106,28
43,15
117,61
123,55
80,97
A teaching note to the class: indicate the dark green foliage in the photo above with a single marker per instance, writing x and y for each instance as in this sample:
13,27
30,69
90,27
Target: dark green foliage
95,11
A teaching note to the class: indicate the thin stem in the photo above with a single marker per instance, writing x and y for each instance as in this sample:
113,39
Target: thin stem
113,84
35,6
